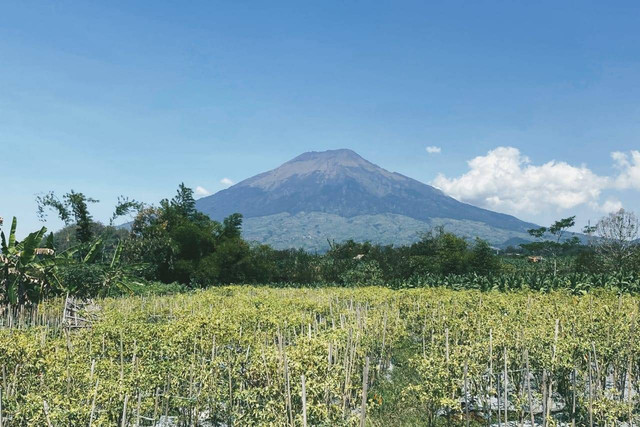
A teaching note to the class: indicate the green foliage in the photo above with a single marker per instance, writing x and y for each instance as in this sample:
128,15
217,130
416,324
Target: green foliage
483,259
183,202
181,244
27,272
555,246
173,242
365,273
125,206
72,208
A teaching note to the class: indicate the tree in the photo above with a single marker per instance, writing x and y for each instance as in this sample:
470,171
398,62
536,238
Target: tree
125,207
232,226
618,234
451,254
184,201
71,209
365,273
483,259
555,246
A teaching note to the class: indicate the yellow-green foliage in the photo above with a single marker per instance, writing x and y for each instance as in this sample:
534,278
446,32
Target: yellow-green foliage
227,354
216,351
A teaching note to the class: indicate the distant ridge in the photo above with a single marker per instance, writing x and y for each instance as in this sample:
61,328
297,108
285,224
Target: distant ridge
338,195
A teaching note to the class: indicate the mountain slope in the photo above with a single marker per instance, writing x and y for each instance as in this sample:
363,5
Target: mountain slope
319,188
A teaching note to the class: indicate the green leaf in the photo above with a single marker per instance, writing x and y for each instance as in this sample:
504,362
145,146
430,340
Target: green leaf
3,243
93,252
29,246
116,255
123,285
12,291
12,233
49,243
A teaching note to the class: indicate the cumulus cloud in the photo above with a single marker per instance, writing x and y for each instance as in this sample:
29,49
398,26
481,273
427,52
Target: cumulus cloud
226,182
611,205
506,180
201,192
432,149
629,167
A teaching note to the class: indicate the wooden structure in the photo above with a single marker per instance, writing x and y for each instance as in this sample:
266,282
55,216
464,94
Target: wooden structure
76,314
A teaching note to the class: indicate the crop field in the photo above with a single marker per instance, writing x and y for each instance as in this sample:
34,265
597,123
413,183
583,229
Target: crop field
243,355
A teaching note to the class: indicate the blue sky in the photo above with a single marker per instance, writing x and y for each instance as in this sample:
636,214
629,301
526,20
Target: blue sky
133,98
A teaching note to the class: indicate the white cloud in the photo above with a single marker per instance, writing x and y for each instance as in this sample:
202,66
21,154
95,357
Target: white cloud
611,205
432,149
506,180
226,182
202,192
629,167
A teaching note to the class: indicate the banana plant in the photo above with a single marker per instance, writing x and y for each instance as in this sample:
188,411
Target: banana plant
116,276
21,276
27,271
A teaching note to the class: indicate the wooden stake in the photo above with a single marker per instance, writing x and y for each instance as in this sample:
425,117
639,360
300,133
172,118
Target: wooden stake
365,385
121,360
506,390
45,406
489,390
466,391
573,403
528,373
155,405
590,393
288,389
93,402
304,403
123,420
138,410
553,361
446,333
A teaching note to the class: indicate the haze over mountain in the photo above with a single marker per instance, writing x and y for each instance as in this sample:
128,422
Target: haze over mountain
338,195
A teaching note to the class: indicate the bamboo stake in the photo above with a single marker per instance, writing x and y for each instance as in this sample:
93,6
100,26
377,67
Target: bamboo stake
506,390
530,395
490,389
384,340
553,361
573,403
365,384
304,402
590,393
93,402
521,390
595,360
288,389
123,420
121,360
155,405
629,375
230,393
446,333
137,424
544,397
466,394
45,406
498,400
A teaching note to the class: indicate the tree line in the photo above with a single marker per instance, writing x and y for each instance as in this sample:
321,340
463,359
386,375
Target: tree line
173,246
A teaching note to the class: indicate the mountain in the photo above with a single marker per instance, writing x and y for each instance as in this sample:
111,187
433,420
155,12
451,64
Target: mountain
337,195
